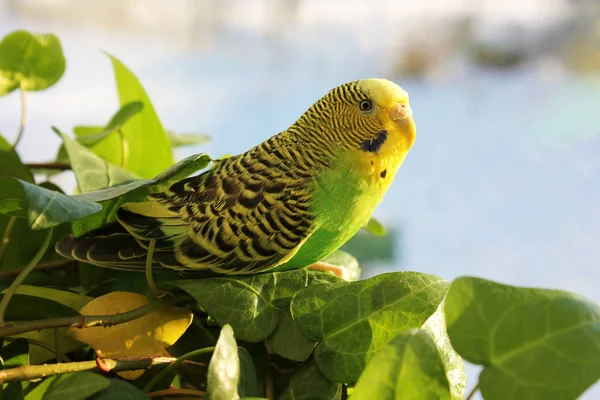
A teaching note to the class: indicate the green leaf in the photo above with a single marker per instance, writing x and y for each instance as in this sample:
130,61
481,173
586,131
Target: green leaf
374,227
10,163
149,148
287,340
533,343
409,367
72,386
119,390
254,313
187,139
109,149
308,383
43,208
181,170
353,321
14,354
453,363
33,62
117,121
224,368
25,307
92,172
248,383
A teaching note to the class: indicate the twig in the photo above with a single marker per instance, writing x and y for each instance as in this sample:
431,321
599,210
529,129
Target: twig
28,372
23,117
41,344
176,392
269,375
6,237
44,266
470,396
174,365
88,321
21,277
61,166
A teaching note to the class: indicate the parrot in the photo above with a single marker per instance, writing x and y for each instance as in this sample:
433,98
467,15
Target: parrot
284,204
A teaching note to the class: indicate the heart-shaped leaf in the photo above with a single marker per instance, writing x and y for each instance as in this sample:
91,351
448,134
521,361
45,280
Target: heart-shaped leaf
72,386
533,343
33,62
43,208
353,321
249,304
409,367
308,383
287,340
10,163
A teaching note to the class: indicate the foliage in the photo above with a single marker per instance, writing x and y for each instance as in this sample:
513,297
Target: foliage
286,335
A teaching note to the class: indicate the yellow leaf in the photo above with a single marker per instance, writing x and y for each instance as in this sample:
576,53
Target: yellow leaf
145,336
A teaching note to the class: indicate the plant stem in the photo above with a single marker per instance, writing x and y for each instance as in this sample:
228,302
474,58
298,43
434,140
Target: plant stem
174,365
40,267
88,321
176,392
61,166
23,117
470,396
28,372
6,237
21,277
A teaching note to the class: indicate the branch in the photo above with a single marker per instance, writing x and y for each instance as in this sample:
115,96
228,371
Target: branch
88,321
49,265
107,365
61,166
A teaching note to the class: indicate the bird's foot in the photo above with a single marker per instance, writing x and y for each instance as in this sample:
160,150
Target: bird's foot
327,267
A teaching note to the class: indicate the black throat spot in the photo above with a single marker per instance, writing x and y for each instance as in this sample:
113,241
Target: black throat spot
373,145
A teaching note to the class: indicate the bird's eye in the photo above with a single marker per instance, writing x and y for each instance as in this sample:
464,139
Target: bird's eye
365,105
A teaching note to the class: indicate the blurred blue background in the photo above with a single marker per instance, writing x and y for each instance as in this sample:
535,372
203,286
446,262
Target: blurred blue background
504,179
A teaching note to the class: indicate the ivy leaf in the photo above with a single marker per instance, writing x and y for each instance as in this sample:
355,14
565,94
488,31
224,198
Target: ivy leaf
149,146
43,208
353,321
147,335
374,227
248,383
72,386
249,304
224,368
533,343
308,383
33,62
287,340
409,367
453,363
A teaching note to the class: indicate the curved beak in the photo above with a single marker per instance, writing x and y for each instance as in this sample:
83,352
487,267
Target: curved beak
400,111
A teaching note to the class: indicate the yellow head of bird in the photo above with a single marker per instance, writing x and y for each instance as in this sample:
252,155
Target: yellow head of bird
371,115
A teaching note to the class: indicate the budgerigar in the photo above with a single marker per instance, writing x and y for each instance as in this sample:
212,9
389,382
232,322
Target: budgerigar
284,204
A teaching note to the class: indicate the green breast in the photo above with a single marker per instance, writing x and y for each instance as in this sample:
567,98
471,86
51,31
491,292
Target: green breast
343,202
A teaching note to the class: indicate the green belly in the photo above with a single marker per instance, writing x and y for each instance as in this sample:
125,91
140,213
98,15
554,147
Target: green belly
343,202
